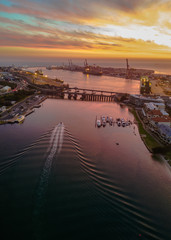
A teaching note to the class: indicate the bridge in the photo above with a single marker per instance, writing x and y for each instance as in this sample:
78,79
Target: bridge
81,94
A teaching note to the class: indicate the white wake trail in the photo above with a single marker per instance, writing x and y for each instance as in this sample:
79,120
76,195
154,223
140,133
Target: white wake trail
55,143
52,137
61,138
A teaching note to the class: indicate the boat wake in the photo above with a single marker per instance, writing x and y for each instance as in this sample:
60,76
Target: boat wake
116,199
55,146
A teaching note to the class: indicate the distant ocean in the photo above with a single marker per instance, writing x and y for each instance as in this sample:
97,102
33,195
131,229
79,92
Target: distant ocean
158,65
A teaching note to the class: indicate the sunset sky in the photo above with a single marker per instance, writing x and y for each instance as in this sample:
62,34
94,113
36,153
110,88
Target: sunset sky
85,28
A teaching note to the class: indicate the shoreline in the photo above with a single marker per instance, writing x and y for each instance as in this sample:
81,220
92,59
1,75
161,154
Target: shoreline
25,113
145,136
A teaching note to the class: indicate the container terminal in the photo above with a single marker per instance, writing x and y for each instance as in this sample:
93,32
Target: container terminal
128,72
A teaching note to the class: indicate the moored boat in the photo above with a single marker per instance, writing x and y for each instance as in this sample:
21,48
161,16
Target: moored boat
104,123
98,123
119,123
107,119
110,120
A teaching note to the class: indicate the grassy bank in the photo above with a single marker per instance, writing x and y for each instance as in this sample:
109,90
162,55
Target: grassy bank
153,146
149,141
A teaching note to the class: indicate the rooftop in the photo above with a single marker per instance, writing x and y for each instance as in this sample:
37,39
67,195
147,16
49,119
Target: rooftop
165,129
153,99
161,119
155,112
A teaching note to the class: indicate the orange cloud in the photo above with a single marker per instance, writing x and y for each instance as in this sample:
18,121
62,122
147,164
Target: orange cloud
97,28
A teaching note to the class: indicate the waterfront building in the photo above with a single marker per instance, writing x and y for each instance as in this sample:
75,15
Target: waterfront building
5,89
161,120
3,109
165,132
154,114
164,112
139,100
150,106
159,105
145,85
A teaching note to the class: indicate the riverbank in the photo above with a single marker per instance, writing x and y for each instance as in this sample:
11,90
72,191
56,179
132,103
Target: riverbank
152,144
22,108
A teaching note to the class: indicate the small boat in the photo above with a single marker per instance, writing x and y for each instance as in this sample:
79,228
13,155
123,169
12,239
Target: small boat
119,123
104,123
111,121
127,123
103,118
123,124
107,119
98,123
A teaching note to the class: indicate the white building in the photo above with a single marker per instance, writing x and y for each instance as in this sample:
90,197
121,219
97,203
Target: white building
150,106
3,109
5,89
139,100
159,105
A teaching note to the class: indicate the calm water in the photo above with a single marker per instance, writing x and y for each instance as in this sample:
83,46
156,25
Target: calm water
80,80
158,65
70,180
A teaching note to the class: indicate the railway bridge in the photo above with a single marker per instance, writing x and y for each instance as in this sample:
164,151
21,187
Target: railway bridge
81,94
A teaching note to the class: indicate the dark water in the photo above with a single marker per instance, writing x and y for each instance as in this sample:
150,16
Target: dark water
71,180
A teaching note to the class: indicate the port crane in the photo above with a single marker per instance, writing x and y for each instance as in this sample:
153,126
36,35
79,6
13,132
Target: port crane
85,63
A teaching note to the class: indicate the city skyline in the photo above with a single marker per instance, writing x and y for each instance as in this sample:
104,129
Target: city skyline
93,29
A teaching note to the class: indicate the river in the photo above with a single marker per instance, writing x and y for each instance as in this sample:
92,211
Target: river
61,177
80,80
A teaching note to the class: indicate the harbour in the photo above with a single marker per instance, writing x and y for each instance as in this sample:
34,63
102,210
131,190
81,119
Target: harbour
128,72
99,164
107,175
85,120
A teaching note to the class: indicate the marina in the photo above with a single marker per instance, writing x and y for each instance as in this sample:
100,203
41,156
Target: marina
103,120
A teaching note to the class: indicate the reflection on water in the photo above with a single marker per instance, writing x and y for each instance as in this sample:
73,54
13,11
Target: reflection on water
70,180
80,80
